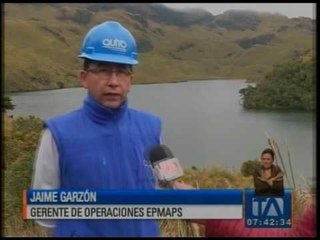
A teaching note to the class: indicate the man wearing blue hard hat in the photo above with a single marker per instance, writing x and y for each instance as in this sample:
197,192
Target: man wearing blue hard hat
102,144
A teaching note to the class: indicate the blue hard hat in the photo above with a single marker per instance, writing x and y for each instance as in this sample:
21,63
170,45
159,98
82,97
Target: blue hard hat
110,42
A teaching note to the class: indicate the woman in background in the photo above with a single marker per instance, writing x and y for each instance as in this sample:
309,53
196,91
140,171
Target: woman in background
268,178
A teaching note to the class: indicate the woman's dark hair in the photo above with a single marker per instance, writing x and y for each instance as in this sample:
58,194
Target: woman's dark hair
268,150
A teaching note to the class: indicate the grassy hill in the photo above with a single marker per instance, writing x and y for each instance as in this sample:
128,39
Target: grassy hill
41,42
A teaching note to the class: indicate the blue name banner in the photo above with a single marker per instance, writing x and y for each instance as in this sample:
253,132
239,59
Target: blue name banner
217,196
268,211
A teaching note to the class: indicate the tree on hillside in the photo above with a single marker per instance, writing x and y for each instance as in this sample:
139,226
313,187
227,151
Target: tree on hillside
287,86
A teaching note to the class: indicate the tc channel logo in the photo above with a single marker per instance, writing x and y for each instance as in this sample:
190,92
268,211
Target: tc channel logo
268,212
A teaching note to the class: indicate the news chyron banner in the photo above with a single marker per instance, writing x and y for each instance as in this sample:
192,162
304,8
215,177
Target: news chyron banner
268,211
133,204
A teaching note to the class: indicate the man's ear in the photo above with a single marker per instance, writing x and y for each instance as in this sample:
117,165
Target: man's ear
83,78
131,81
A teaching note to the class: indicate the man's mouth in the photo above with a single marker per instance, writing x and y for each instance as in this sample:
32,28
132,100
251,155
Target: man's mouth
112,96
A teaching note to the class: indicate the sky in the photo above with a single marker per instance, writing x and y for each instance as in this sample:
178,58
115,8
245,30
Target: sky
288,9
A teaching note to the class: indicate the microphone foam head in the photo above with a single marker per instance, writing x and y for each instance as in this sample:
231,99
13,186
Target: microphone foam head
160,152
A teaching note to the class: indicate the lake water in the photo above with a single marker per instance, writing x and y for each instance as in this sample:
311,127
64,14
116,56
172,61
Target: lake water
203,123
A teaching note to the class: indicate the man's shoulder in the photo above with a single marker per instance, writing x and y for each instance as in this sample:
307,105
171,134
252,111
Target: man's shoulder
143,114
148,122
66,117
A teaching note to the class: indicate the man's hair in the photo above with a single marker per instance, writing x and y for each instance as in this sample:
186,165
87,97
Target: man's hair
268,150
88,62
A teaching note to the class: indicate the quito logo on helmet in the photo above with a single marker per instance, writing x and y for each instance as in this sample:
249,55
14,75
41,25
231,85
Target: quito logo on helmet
115,44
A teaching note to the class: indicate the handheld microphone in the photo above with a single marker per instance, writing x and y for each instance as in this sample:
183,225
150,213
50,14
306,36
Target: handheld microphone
167,167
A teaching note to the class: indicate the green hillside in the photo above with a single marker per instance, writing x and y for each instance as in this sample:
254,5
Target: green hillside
41,42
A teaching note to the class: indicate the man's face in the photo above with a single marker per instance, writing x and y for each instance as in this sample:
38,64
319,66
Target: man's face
107,83
266,160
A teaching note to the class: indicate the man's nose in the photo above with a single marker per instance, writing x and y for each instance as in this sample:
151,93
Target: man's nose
113,79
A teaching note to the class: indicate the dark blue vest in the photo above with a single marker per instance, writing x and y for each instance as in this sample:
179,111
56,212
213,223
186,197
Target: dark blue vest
101,148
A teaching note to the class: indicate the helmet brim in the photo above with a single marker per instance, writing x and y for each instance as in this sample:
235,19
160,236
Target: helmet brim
109,58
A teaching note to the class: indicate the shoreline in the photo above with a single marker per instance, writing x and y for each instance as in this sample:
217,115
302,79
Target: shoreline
148,83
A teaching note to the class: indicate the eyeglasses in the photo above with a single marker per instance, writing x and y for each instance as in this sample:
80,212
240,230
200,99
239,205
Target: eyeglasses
121,72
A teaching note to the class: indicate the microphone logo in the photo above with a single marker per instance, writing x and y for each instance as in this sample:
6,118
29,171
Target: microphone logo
166,167
168,170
